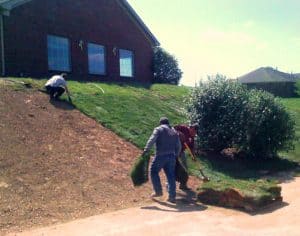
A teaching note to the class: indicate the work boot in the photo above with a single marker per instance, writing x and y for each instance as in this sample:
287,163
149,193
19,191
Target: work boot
171,200
156,195
184,187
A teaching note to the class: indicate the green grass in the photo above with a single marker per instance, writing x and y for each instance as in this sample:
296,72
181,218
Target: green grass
130,111
133,110
246,175
293,105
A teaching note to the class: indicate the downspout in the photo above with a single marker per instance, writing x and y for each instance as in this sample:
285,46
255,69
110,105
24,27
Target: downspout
2,45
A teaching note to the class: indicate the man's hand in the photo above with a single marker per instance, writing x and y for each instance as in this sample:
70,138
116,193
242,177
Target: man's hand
144,153
70,100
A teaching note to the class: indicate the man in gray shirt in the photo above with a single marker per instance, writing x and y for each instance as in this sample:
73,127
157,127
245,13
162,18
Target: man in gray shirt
168,146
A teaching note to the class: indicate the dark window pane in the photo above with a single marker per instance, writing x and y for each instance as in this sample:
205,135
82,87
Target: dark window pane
96,59
58,53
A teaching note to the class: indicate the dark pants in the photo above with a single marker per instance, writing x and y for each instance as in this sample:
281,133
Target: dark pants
181,170
55,92
167,163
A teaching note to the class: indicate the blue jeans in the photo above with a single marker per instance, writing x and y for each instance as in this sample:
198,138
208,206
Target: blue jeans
167,163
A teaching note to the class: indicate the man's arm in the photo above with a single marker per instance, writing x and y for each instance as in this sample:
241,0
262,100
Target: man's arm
68,93
191,144
178,147
151,141
67,90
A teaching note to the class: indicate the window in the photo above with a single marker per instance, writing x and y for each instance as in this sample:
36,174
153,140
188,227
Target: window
126,63
96,56
58,53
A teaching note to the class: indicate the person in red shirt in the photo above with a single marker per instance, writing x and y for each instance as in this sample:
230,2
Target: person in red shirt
187,137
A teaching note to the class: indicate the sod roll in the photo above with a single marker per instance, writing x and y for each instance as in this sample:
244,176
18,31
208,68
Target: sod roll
139,171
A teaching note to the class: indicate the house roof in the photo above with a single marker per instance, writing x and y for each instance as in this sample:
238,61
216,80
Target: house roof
8,5
265,75
138,20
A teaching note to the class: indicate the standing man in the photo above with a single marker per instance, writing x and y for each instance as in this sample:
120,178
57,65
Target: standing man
167,144
187,138
56,86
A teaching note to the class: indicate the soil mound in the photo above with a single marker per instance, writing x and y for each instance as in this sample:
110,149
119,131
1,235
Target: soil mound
57,165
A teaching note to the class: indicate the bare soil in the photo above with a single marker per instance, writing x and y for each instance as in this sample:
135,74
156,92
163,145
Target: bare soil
57,165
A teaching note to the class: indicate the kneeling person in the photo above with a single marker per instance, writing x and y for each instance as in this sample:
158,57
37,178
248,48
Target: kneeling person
56,86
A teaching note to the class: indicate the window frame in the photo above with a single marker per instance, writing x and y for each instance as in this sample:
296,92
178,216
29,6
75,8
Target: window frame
132,63
104,58
69,53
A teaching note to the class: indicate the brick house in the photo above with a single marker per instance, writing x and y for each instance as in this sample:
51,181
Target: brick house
88,39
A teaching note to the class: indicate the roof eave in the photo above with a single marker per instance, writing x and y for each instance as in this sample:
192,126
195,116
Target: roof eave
140,22
10,4
7,6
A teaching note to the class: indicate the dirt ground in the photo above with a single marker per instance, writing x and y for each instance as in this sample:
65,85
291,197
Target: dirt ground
57,165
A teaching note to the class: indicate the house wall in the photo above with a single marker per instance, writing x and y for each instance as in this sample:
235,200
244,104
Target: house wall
97,21
281,89
1,55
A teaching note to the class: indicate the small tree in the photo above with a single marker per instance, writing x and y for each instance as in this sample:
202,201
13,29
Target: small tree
165,67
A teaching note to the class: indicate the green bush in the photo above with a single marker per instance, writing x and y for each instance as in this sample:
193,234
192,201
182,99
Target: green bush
270,128
218,106
165,67
229,115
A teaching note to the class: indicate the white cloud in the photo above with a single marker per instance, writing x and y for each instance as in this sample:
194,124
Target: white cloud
212,36
296,40
231,38
248,24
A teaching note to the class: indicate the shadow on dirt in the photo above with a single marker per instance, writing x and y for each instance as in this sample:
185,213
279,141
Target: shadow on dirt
185,202
60,104
269,209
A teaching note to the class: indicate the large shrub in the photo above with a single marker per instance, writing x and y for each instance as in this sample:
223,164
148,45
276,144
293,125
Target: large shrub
229,115
165,67
218,106
270,128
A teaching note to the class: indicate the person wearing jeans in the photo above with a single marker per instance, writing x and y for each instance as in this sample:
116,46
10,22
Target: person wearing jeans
167,144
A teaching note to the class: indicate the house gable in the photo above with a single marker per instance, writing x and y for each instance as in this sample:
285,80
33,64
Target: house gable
8,5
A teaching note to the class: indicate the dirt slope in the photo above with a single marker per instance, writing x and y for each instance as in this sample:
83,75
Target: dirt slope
57,165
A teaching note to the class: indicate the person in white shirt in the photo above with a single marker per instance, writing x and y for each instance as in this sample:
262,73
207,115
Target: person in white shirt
56,86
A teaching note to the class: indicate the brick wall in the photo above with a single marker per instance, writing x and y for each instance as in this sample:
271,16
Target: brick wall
97,21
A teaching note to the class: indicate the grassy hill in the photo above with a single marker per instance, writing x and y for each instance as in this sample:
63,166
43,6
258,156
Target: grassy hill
133,110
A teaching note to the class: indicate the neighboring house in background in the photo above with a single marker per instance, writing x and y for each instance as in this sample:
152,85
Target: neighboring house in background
271,80
88,39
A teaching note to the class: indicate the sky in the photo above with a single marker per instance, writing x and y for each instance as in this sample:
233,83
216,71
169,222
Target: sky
229,37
